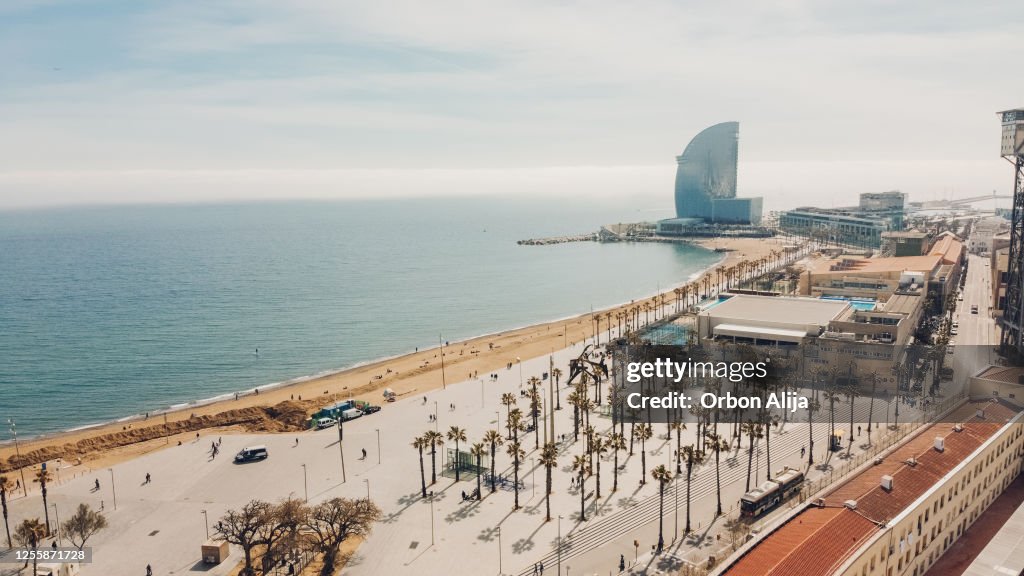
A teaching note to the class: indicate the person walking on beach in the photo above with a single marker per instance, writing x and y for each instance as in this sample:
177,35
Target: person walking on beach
148,478
97,484
364,453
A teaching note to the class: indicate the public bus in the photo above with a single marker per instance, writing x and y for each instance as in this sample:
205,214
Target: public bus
771,493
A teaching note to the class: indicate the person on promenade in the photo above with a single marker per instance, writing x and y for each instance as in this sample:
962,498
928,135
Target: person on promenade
97,484
622,562
148,478
364,453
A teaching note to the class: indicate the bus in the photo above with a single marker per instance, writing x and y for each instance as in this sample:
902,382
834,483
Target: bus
771,493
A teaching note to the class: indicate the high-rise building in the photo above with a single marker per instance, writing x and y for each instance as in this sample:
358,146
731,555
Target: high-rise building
706,179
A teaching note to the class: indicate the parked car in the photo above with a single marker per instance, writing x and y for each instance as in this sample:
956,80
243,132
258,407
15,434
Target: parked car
351,414
371,409
974,309
251,454
325,423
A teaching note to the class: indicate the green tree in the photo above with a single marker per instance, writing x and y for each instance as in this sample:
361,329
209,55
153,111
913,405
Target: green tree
615,442
434,441
6,486
456,434
419,443
692,456
493,437
580,463
644,433
549,459
83,525
663,476
516,452
28,535
478,450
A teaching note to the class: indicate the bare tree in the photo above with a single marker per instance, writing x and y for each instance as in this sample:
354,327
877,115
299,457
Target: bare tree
244,528
281,532
333,521
83,525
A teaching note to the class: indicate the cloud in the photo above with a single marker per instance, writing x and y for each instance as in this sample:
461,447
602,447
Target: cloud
324,85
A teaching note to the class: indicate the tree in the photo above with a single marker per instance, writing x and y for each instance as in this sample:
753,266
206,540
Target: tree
333,521
535,408
692,456
28,534
42,477
493,437
549,459
478,450
753,431
456,434
516,452
644,433
6,486
616,442
871,407
662,475
556,374
716,443
580,463
598,447
242,528
515,423
83,525
508,399
282,532
419,443
434,440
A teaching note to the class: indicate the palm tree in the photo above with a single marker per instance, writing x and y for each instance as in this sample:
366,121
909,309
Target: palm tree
753,431
535,409
556,375
43,476
717,444
515,423
662,475
771,421
515,450
850,391
871,407
493,437
456,434
434,440
693,456
6,486
28,534
580,463
419,443
478,450
644,433
598,447
548,459
615,442
508,399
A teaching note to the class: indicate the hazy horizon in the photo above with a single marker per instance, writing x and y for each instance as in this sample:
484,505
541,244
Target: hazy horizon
199,102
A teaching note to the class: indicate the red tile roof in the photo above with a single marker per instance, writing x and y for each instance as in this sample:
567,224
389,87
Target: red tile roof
817,540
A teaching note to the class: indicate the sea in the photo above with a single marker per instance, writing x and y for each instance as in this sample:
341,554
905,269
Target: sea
113,311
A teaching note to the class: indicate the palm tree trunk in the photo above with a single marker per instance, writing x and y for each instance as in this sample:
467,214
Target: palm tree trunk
7,527
492,467
547,494
457,466
689,469
423,476
515,469
661,511
768,447
583,501
718,475
479,490
615,474
643,460
433,465
598,493
750,461
46,507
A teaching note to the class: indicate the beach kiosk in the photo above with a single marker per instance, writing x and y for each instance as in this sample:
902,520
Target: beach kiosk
215,551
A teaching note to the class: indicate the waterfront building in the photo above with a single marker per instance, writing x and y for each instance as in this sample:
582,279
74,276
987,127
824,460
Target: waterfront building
897,517
705,189
861,225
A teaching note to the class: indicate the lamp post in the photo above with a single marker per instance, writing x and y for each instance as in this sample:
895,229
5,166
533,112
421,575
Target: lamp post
113,490
520,362
305,482
17,450
431,503
435,415
440,346
499,550
367,480
378,444
206,520
56,515
341,450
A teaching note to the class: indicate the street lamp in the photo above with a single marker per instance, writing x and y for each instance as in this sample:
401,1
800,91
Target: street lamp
14,432
431,502
206,520
305,482
435,415
56,515
113,490
367,480
499,550
378,444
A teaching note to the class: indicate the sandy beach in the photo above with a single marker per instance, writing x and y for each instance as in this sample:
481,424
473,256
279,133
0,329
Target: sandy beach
285,408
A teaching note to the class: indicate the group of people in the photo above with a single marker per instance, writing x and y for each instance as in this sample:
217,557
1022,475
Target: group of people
215,448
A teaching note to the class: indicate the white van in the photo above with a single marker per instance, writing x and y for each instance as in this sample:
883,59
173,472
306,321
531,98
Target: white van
251,454
323,423
351,414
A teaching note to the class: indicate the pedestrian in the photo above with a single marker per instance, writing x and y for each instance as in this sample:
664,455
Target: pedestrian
97,484
858,430
149,570
364,453
148,477
803,451
296,441
542,568
534,570
622,562
197,436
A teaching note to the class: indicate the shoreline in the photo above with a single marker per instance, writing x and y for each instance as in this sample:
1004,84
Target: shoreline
358,381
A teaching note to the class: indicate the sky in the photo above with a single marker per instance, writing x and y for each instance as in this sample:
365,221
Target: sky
195,100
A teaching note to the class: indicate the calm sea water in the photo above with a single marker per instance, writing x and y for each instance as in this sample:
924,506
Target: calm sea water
114,311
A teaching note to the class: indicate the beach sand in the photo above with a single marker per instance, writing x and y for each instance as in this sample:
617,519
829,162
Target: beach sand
284,408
